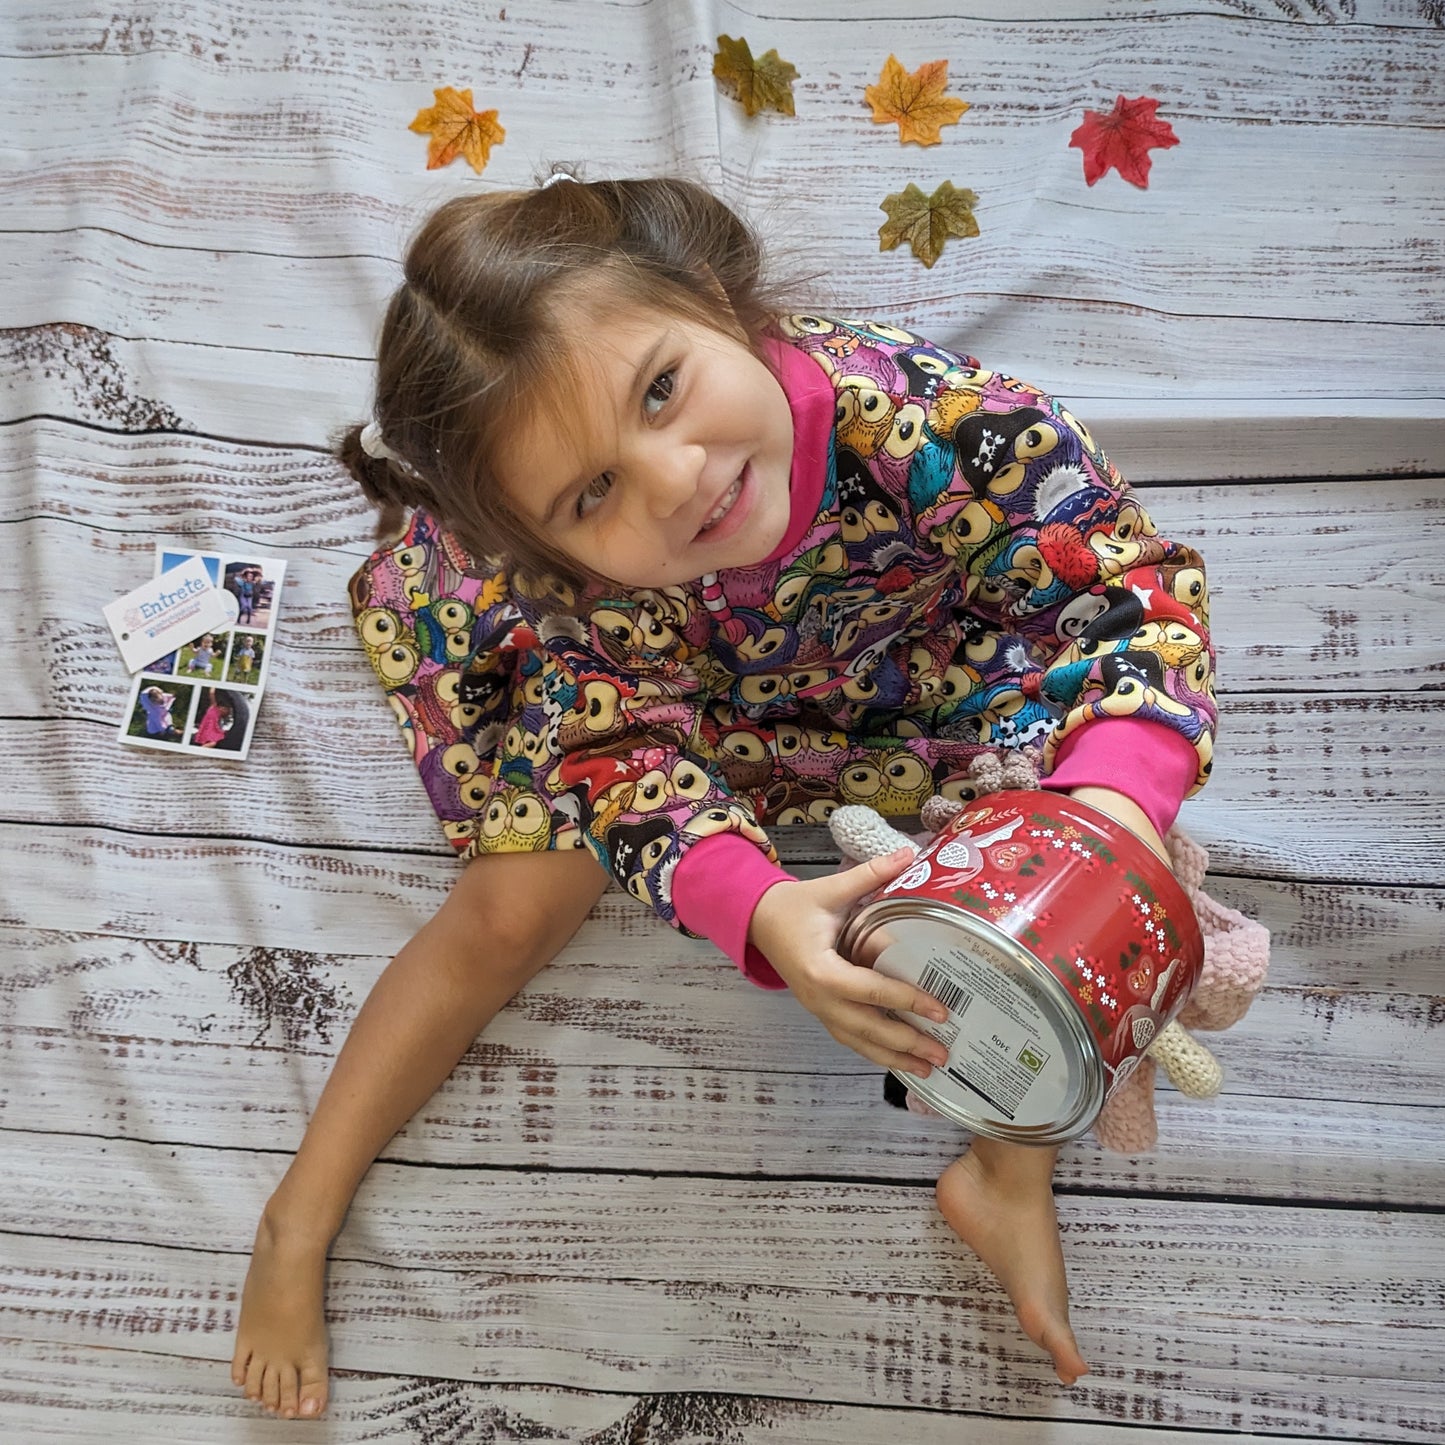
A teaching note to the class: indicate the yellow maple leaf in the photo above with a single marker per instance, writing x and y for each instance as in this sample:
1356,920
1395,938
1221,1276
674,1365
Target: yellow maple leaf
926,222
762,84
457,129
916,102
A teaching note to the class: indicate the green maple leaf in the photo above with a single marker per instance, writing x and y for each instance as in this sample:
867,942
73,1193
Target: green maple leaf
762,84
927,222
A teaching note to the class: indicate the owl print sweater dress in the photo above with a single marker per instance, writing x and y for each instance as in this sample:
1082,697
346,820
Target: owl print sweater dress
964,571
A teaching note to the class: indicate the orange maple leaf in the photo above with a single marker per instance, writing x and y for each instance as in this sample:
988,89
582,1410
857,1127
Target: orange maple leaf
457,129
916,102
762,84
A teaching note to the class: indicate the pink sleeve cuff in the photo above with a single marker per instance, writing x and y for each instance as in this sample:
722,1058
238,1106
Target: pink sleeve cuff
1146,761
715,888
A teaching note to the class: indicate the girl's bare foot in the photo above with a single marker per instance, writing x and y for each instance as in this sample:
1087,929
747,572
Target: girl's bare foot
281,1347
999,1200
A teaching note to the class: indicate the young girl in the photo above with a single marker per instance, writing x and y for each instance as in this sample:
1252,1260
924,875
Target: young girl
684,566
245,590
158,705
245,655
215,722
203,656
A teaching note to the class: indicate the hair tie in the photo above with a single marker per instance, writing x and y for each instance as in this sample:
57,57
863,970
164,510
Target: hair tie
558,176
374,446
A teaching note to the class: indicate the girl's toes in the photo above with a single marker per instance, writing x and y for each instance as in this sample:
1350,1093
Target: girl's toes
313,1399
289,1397
271,1389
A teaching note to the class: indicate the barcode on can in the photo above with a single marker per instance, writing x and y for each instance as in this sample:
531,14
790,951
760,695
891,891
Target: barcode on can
954,997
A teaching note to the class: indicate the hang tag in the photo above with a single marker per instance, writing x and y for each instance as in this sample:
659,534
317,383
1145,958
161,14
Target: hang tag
166,612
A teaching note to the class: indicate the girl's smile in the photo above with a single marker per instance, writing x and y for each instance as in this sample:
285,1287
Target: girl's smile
674,454
732,511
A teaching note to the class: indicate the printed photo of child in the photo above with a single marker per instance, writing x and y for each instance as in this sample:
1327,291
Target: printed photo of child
247,650
205,656
252,589
160,711
202,699
241,583
221,721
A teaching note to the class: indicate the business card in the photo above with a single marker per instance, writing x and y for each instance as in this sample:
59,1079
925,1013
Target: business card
159,615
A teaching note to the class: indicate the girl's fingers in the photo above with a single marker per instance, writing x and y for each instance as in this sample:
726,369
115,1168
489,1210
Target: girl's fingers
889,1059
886,1040
863,985
919,1047
844,889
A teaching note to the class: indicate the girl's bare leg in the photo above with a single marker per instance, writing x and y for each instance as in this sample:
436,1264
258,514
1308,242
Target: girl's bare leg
999,1199
507,916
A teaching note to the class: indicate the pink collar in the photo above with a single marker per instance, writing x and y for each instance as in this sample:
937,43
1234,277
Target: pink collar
811,400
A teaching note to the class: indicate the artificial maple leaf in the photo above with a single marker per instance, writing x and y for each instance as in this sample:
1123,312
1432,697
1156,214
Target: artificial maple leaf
916,102
457,129
926,222
1122,139
762,84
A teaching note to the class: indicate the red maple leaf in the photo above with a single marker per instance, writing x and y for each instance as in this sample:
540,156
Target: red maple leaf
1122,139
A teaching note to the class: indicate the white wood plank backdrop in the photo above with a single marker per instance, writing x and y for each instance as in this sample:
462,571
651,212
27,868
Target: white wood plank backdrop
654,1206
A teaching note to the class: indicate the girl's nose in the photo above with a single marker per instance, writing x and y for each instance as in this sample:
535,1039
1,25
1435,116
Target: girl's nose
674,476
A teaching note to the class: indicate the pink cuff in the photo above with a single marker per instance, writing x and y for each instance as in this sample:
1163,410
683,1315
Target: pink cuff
715,888
1146,761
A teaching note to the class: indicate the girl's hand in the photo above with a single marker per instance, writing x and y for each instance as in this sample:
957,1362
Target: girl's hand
797,926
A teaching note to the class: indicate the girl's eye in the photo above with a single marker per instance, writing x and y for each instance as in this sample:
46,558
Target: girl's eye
594,492
659,393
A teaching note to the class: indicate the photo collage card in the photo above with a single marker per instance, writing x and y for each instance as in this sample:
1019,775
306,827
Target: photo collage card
203,697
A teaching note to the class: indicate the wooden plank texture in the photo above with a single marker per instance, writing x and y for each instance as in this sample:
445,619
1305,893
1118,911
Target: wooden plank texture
655,1206
1296,757
81,1395
1073,245
300,302
356,900
285,400
1298,1327
1274,627
646,999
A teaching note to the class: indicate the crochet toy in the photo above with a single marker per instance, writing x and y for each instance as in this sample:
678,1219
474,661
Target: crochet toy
1236,957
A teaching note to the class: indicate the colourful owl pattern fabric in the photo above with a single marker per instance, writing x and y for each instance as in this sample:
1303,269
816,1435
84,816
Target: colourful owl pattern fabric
977,577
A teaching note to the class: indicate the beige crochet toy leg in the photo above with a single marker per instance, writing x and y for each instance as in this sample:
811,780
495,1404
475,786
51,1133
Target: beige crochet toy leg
1236,962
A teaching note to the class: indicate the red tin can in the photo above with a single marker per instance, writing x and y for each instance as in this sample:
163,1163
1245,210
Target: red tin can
1060,943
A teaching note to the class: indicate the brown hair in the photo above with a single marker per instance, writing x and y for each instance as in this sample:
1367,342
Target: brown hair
474,326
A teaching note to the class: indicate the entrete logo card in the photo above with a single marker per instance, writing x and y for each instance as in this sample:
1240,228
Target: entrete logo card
159,615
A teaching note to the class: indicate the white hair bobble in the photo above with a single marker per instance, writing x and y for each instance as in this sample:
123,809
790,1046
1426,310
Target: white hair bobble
557,176
373,446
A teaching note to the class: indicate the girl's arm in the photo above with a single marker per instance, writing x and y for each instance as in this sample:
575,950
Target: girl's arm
1078,612
1123,810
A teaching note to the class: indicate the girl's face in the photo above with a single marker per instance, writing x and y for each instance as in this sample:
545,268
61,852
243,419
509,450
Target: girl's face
676,461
